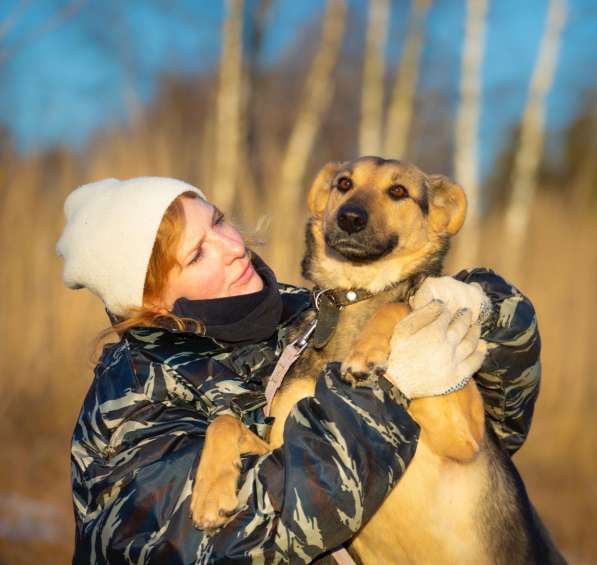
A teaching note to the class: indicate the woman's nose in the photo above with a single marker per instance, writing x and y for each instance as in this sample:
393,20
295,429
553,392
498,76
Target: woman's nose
232,245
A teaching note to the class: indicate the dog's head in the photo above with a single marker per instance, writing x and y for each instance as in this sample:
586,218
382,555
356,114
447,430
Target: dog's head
376,222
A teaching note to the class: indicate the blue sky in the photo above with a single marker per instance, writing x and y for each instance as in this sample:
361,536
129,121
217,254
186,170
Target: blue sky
64,84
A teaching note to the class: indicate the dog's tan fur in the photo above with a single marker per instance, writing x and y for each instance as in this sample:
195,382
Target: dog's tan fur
433,515
421,235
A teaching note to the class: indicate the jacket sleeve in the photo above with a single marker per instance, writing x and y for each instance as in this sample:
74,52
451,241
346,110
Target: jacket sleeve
344,450
510,376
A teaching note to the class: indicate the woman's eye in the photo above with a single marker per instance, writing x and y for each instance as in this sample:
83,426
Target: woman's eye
195,257
217,216
344,184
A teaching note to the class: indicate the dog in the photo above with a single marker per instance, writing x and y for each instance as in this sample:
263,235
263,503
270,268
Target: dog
383,226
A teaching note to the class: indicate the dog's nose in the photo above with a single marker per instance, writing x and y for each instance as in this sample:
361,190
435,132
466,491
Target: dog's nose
352,219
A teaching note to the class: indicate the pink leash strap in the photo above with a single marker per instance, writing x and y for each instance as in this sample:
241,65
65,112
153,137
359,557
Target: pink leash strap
290,354
342,557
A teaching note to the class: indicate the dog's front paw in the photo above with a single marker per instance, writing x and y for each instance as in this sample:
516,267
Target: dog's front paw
214,498
361,365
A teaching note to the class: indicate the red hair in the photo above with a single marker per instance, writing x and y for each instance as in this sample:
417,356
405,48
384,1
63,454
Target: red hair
161,263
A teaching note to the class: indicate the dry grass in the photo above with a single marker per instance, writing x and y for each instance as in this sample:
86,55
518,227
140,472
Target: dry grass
47,330
558,462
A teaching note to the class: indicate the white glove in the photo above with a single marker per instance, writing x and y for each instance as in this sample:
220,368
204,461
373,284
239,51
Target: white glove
455,294
433,353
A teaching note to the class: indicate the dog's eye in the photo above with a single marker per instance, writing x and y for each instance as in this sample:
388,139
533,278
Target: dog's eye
344,184
397,191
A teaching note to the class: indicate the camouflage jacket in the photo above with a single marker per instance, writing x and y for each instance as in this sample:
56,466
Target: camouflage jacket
137,442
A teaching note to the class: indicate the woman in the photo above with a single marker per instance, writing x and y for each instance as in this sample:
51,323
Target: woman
201,324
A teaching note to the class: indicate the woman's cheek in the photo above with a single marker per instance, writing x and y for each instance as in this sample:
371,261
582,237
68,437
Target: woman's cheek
210,284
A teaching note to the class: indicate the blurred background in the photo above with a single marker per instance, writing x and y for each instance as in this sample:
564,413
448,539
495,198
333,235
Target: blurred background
248,99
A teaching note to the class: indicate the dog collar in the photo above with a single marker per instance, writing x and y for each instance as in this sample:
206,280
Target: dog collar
342,297
329,302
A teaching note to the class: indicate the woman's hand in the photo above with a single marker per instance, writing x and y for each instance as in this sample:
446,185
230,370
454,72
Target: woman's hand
455,295
433,352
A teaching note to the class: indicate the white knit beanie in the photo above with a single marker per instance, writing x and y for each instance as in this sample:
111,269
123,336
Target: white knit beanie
111,226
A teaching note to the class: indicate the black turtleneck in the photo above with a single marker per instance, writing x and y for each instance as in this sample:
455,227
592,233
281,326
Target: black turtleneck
248,318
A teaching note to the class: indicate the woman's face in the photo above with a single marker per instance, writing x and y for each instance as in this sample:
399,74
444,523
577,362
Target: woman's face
214,260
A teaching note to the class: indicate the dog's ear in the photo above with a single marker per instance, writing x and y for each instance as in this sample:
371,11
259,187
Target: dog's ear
320,189
447,205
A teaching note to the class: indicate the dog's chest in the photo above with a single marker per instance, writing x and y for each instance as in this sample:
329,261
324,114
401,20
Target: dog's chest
301,380
429,517
351,321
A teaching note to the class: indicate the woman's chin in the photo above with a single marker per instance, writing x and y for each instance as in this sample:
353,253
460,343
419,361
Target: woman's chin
255,284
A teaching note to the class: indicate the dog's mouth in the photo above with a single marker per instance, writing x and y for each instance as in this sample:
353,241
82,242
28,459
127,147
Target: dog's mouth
360,252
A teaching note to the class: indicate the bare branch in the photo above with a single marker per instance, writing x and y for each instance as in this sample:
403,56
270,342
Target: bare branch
532,133
316,98
12,19
61,16
466,158
372,93
401,105
228,118
250,145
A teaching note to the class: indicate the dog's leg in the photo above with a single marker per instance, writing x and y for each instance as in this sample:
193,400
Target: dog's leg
453,425
214,492
371,349
283,402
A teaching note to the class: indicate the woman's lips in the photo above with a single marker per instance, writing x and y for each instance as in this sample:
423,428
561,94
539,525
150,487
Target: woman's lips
245,275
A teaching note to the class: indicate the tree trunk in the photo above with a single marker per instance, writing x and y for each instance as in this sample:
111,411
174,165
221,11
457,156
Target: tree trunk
251,196
229,123
254,84
584,179
466,157
532,134
405,85
372,93
289,198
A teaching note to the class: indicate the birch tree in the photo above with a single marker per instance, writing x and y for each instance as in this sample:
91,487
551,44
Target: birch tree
251,195
584,180
466,157
229,124
405,84
372,93
532,133
315,100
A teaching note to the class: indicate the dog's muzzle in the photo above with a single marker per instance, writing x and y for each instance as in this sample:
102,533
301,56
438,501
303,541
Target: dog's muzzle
353,236
352,218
